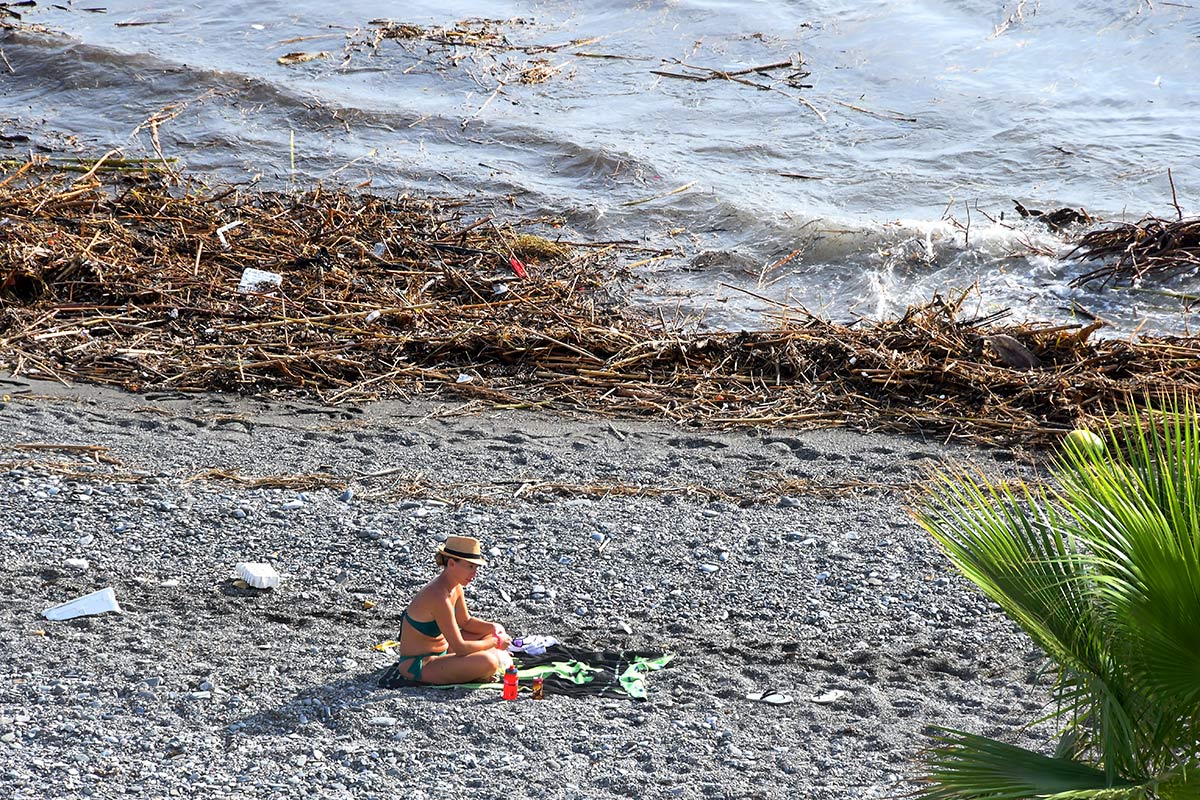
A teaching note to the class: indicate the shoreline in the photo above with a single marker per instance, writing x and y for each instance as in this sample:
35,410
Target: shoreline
815,593
350,298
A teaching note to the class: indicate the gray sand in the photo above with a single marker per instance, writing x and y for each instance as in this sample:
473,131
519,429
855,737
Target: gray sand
201,689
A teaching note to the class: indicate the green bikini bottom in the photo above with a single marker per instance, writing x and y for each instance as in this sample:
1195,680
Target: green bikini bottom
417,663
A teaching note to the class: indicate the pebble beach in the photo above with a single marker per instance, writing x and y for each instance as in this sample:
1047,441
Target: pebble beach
764,560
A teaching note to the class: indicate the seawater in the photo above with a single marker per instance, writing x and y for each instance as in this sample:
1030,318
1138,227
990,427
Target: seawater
921,123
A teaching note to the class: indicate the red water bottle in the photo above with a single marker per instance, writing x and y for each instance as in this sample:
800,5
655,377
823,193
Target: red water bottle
510,683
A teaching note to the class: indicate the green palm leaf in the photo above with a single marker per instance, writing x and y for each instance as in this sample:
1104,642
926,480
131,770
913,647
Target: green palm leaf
1103,573
1017,549
963,766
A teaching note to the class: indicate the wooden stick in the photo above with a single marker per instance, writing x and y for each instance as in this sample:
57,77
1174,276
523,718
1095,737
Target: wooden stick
683,188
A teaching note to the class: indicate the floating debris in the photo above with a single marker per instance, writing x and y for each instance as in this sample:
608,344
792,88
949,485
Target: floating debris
300,58
1057,219
1131,252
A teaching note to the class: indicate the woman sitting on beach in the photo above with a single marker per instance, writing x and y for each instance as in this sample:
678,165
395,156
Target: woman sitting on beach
440,642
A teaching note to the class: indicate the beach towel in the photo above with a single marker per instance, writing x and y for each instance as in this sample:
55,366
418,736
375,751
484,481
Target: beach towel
566,671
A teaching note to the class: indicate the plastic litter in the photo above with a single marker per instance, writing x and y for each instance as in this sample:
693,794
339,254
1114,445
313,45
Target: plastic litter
260,576
256,280
98,602
533,645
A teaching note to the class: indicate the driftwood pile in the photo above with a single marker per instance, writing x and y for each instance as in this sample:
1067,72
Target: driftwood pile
119,280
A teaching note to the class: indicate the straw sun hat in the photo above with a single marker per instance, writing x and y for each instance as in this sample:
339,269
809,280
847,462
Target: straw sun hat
464,548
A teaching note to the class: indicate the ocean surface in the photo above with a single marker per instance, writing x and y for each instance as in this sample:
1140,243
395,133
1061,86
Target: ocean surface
877,163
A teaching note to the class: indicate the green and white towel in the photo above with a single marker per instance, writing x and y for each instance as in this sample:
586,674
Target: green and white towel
569,672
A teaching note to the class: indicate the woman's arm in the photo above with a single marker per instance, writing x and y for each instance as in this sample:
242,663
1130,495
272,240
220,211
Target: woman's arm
475,625
444,613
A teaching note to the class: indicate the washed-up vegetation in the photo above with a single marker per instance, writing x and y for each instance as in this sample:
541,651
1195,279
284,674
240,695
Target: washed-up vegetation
118,278
1128,253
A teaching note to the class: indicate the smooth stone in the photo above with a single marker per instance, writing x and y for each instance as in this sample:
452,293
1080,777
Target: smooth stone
238,513
382,722
347,495
292,505
709,568
78,564
789,502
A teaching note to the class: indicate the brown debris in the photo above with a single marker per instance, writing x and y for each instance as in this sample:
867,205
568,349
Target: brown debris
1055,220
1131,252
137,286
300,58
1012,352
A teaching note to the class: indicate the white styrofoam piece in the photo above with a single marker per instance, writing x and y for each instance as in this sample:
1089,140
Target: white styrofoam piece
260,576
257,280
97,602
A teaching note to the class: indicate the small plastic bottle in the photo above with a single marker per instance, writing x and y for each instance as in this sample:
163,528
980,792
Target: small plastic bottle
510,683
537,688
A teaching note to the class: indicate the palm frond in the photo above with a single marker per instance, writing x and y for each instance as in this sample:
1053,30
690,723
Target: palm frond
1138,510
965,766
1012,546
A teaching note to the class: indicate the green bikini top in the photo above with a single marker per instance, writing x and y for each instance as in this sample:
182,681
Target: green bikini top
430,628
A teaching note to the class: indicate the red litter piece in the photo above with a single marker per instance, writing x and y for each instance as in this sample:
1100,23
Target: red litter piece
518,267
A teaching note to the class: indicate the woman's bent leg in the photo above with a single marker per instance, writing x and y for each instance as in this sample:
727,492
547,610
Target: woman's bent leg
475,668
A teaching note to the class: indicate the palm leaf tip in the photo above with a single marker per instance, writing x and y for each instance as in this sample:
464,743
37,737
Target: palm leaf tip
965,766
